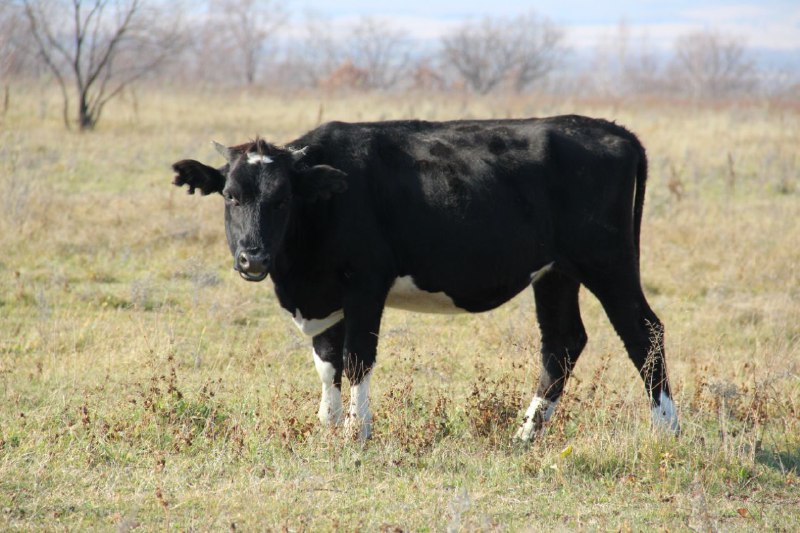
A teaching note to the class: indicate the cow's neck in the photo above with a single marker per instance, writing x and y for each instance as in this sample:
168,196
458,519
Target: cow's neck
304,238
304,275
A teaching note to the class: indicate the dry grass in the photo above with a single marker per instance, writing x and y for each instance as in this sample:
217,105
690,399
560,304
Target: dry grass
143,384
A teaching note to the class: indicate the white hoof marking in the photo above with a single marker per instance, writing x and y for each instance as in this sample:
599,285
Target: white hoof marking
330,404
359,418
664,415
539,412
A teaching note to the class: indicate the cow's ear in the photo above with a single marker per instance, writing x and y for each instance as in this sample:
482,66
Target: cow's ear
319,182
198,176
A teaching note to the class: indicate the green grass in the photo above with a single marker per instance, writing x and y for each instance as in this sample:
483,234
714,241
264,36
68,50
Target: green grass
144,384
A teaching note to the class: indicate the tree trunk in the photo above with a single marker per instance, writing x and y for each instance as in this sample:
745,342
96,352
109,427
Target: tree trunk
85,119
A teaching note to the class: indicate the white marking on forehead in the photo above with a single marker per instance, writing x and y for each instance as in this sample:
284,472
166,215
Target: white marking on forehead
315,326
536,276
405,294
254,158
664,415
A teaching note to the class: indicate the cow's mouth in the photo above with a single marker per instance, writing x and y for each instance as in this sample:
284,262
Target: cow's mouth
261,276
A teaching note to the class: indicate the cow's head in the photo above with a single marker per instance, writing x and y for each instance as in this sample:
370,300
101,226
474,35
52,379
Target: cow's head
264,186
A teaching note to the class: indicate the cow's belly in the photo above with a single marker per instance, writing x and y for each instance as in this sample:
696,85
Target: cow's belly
404,294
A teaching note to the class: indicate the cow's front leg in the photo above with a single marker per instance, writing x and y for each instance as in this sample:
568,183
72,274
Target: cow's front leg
362,323
328,347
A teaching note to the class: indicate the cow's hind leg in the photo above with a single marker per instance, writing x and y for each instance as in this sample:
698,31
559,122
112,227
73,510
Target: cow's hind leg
563,339
329,362
643,335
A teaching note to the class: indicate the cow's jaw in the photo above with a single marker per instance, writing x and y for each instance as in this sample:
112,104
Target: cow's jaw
253,277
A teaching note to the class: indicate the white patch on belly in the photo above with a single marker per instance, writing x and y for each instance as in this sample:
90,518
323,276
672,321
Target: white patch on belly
664,416
315,326
539,412
405,294
359,418
254,158
330,404
536,276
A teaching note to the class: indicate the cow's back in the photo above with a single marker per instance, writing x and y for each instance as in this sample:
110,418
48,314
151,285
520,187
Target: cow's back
474,208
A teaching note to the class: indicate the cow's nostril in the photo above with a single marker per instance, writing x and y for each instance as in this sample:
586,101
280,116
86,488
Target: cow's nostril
244,262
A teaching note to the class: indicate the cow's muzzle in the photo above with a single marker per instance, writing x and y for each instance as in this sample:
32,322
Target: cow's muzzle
252,266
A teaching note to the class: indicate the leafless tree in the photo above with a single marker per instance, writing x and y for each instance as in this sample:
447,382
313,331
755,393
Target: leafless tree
100,47
310,56
612,55
319,53
638,68
518,51
12,49
14,41
242,31
710,65
368,54
380,50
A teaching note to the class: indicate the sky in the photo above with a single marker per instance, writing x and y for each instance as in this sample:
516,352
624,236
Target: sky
765,24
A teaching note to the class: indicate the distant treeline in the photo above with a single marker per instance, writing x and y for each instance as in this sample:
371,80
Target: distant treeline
95,48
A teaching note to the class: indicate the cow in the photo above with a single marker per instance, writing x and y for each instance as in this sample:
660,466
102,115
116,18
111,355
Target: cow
443,217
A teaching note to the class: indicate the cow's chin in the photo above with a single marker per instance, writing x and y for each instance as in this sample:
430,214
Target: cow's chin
254,277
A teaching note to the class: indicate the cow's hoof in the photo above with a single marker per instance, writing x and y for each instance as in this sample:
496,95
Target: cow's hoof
530,428
329,418
357,428
329,422
665,417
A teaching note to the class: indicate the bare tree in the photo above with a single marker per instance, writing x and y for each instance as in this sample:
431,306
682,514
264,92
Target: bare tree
14,41
538,44
479,54
369,54
381,50
638,67
643,70
711,65
242,30
13,53
317,56
519,51
99,47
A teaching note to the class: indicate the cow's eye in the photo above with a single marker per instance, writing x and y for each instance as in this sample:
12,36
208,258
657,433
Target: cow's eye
230,200
282,203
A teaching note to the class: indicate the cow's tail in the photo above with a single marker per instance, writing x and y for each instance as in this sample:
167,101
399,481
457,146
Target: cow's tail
638,199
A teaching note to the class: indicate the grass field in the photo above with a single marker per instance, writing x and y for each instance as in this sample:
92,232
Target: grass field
143,384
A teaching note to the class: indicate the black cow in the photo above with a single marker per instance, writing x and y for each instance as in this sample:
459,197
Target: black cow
444,217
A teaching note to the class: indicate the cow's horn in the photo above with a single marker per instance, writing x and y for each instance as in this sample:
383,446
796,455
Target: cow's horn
223,150
297,155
